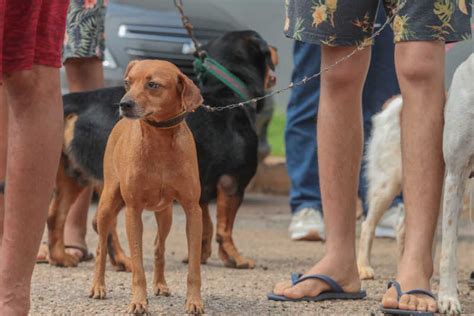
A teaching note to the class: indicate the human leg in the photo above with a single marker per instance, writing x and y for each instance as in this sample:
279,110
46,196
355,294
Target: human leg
83,74
420,63
34,98
420,69
340,149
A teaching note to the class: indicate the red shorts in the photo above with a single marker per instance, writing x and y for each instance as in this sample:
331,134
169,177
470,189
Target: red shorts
31,32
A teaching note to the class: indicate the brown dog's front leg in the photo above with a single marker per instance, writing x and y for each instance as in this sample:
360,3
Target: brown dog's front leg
134,227
163,220
110,203
194,235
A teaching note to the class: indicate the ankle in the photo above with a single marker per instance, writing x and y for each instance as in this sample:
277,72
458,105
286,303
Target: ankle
416,266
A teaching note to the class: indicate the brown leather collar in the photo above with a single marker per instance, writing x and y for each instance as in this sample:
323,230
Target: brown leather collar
172,122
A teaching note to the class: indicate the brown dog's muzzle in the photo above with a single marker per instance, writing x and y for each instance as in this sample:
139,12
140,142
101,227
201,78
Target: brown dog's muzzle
128,108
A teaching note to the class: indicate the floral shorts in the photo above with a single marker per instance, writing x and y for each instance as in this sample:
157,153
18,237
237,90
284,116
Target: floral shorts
350,23
85,29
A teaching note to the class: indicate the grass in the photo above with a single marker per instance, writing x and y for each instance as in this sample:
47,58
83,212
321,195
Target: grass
276,134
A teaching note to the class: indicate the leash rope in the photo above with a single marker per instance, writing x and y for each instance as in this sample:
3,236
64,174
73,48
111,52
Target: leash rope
202,54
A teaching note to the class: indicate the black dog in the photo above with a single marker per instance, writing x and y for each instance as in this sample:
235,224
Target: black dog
226,143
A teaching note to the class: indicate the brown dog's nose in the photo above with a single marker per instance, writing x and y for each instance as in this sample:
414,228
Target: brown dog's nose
126,104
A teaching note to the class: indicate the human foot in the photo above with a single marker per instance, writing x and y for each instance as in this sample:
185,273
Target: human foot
76,243
411,277
345,275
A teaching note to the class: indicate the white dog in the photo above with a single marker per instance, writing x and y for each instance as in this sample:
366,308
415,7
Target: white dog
384,174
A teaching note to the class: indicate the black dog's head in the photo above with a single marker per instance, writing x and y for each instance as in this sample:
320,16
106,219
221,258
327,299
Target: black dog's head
248,56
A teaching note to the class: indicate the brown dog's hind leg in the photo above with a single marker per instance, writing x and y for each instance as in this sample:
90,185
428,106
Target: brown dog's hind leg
109,205
119,260
228,203
164,219
67,191
207,233
134,227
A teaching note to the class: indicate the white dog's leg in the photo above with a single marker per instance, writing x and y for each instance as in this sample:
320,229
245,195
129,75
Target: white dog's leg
448,301
379,201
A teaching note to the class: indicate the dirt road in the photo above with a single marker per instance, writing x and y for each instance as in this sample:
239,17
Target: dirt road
260,233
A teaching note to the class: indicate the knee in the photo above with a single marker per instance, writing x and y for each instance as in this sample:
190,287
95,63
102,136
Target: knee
420,63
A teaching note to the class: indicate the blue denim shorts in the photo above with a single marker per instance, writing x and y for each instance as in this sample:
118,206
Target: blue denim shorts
350,23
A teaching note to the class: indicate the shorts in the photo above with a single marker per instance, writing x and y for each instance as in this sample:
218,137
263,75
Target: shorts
85,29
350,23
33,32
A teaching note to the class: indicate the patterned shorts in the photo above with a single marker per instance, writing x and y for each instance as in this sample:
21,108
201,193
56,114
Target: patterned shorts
85,29
350,23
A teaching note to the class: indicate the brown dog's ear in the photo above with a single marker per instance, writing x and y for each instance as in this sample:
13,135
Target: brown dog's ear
129,67
190,94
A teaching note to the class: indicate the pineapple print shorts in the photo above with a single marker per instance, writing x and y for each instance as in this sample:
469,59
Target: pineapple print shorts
85,29
350,23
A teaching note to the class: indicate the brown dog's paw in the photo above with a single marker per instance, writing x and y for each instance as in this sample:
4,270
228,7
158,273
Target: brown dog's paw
138,308
98,291
63,260
161,290
123,264
194,307
240,263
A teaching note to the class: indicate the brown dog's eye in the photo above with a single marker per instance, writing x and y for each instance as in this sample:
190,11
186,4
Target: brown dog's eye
152,85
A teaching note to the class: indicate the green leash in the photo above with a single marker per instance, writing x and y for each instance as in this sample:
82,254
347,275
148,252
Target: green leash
213,67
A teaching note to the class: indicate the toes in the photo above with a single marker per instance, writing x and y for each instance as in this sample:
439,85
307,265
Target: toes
281,287
413,304
390,299
404,302
432,306
422,305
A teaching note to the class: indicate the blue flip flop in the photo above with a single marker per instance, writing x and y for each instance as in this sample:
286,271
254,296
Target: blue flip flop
335,293
393,311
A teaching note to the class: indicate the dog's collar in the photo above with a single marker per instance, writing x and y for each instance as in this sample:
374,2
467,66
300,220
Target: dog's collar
169,123
213,67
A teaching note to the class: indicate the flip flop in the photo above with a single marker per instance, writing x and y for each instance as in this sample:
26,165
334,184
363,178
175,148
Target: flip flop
335,293
396,311
86,255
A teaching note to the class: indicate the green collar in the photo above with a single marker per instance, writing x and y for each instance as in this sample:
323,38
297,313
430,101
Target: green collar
217,70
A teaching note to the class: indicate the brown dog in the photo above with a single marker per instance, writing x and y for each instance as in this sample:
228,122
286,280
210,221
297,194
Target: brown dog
150,161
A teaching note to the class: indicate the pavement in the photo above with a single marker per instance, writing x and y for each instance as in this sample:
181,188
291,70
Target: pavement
260,233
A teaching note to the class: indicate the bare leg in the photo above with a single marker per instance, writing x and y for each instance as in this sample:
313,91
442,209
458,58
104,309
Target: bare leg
34,145
420,71
3,151
163,219
83,74
340,150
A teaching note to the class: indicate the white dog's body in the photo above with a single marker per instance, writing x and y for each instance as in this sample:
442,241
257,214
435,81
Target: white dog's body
384,174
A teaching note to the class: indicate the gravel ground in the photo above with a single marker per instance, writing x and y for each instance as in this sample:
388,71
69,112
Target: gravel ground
260,233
